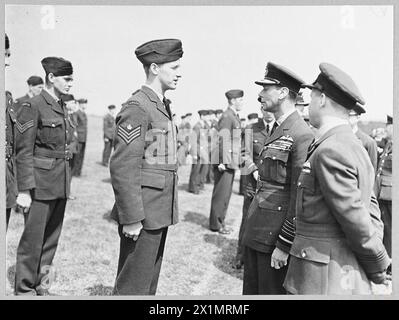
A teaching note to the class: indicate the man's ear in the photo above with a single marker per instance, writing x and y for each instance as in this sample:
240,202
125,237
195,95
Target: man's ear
154,69
283,93
322,100
51,77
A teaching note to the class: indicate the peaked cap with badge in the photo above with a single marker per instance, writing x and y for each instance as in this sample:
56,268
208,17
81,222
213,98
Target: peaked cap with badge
281,76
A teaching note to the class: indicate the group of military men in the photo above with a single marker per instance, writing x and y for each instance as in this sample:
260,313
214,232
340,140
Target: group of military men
311,220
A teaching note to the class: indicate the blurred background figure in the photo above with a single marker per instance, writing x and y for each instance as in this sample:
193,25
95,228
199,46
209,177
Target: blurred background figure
35,85
108,129
81,127
368,143
72,107
383,186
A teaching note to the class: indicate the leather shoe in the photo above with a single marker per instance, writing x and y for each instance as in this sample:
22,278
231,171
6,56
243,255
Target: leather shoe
224,230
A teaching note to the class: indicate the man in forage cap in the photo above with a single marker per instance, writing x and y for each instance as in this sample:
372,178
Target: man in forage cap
35,84
44,139
338,246
269,227
143,174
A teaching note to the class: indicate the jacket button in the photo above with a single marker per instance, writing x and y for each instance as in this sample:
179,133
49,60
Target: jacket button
279,208
53,125
299,184
274,158
261,161
303,254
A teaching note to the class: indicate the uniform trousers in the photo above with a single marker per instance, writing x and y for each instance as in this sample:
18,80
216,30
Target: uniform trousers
194,183
38,245
240,248
386,217
140,262
221,195
107,152
78,160
259,276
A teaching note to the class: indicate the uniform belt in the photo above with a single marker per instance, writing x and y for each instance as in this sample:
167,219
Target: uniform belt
262,184
318,230
67,155
166,167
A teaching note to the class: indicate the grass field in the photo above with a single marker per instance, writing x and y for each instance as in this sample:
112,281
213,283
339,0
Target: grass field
196,260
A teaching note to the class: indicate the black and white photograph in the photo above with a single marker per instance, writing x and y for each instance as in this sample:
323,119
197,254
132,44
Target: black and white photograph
198,150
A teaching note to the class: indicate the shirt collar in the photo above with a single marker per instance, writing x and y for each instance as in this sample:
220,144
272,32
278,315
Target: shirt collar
30,95
284,116
270,124
160,96
52,95
330,124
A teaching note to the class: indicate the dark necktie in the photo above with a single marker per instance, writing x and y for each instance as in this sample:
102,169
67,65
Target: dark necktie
311,148
275,125
166,102
267,129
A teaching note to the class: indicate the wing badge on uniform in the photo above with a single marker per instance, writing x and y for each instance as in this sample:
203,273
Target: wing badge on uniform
129,134
23,127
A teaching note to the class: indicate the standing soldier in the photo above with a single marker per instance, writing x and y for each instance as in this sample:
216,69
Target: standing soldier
383,186
338,245
35,84
269,228
229,145
81,127
43,153
10,125
108,130
368,142
143,172
254,141
199,154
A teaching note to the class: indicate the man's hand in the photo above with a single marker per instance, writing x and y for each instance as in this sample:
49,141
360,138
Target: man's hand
379,278
106,139
24,200
279,258
255,174
221,167
132,230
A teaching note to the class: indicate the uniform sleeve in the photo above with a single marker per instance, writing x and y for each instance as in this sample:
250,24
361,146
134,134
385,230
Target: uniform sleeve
225,140
125,164
338,181
25,137
299,153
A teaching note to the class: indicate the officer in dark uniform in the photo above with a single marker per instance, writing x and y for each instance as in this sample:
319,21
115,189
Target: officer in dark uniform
81,127
144,170
10,123
338,245
368,142
199,154
269,228
43,152
35,84
229,145
383,186
108,130
253,142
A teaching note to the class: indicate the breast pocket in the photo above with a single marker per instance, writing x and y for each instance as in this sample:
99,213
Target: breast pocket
159,138
51,130
276,162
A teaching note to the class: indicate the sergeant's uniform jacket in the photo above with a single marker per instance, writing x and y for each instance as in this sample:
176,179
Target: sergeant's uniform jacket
108,126
383,183
270,217
229,142
338,230
45,132
81,125
145,186
11,173
370,145
254,138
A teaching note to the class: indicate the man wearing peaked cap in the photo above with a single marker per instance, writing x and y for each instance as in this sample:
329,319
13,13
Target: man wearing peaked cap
270,228
145,179
338,225
44,137
229,145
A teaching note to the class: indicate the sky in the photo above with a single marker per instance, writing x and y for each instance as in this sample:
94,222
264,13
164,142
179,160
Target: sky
225,47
